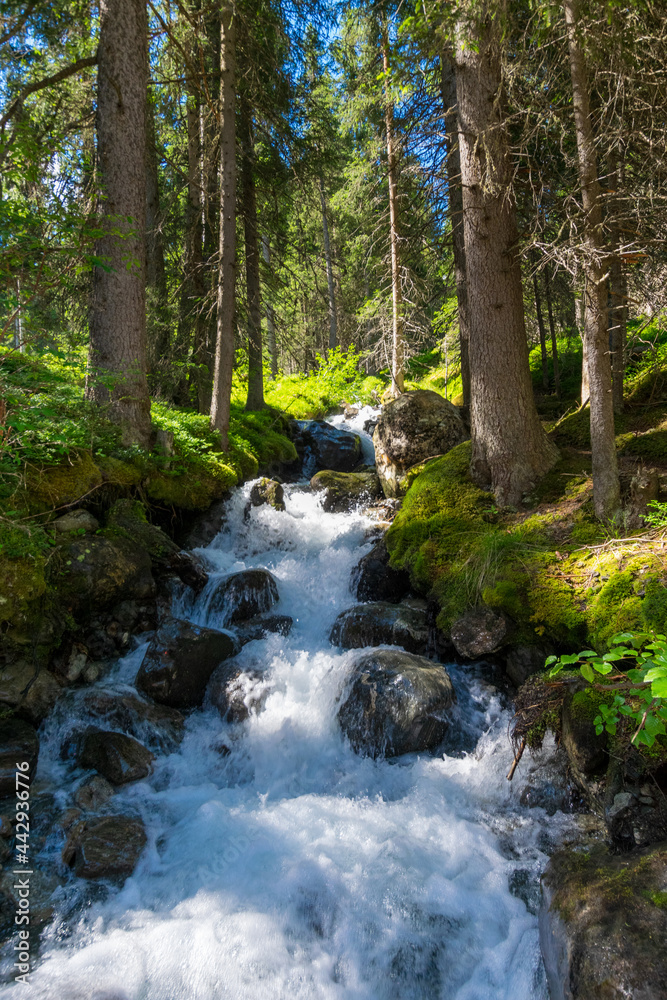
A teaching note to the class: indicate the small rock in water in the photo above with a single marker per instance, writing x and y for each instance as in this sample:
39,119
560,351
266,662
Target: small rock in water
180,660
158,726
117,757
396,703
29,690
93,793
244,595
323,446
236,693
261,626
267,491
345,491
108,847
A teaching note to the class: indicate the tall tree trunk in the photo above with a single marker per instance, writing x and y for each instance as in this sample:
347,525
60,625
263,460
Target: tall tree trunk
455,204
618,290
543,335
606,491
510,449
398,334
118,313
552,330
270,315
255,399
333,318
157,303
191,321
224,344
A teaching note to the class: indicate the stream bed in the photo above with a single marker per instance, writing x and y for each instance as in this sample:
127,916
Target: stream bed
280,864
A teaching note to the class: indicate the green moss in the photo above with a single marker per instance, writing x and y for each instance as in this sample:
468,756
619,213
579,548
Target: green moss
194,490
120,473
57,485
555,609
654,605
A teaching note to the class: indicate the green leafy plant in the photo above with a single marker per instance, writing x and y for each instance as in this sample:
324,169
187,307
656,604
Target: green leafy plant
657,516
633,674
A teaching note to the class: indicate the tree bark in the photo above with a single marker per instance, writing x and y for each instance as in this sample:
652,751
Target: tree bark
255,399
398,334
156,275
543,335
224,345
510,449
192,324
333,318
455,205
117,350
552,330
606,490
270,315
618,290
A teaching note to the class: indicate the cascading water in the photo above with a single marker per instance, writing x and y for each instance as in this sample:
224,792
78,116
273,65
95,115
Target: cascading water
281,864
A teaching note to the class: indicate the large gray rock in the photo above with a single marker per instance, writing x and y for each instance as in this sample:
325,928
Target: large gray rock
418,425
479,632
373,579
180,660
19,743
244,595
108,847
379,624
322,446
117,757
76,520
345,491
603,924
395,703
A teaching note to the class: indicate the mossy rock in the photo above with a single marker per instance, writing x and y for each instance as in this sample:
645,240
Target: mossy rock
127,519
117,472
603,924
22,581
54,486
586,749
191,489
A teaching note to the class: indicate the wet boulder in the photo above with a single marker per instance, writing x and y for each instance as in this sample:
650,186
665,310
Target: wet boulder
395,703
586,750
236,693
521,662
381,623
117,757
373,579
161,728
179,661
261,626
19,743
418,425
108,847
29,690
479,632
244,595
345,491
267,491
322,446
603,924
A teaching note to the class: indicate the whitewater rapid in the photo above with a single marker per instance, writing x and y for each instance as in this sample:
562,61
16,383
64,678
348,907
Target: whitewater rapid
281,865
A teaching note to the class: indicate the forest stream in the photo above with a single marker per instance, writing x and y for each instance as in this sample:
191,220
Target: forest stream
282,864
